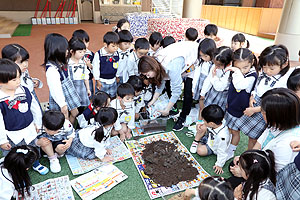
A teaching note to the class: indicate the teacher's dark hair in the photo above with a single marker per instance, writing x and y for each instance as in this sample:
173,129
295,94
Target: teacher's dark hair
148,63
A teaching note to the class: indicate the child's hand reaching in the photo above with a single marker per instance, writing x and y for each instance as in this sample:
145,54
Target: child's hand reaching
6,146
214,71
295,145
68,143
218,170
201,128
98,85
108,159
128,135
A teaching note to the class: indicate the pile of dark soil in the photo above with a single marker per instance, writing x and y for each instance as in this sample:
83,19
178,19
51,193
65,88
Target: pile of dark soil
165,165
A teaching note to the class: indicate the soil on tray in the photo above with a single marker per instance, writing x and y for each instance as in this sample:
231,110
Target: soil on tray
165,165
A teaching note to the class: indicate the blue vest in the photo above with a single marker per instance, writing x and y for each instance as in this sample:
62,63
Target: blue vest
238,101
15,120
108,66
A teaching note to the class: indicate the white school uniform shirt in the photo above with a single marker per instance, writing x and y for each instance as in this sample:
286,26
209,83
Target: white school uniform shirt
54,84
96,66
132,66
202,68
240,82
28,133
79,70
186,49
219,140
263,193
7,187
219,81
87,138
280,145
124,116
122,69
276,81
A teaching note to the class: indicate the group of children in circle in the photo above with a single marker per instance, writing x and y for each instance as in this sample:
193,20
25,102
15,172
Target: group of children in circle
229,84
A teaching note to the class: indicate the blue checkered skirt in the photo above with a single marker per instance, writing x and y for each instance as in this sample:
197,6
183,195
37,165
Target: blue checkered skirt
231,121
82,92
215,97
72,98
287,183
252,126
199,85
110,89
77,149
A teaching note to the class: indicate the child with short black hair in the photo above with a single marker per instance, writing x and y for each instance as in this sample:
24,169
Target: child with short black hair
154,41
213,136
106,63
79,71
55,137
20,113
141,48
124,105
63,95
20,56
124,50
93,141
238,41
191,34
14,177
137,84
100,99
211,31
167,41
212,187
88,56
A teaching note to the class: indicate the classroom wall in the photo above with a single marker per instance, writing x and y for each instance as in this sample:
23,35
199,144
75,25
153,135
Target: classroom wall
249,20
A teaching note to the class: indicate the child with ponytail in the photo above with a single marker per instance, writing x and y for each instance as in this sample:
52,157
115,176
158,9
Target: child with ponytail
93,141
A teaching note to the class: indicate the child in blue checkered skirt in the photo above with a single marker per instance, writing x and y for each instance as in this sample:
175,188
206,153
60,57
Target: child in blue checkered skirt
106,63
274,62
80,73
94,140
88,56
63,95
215,86
241,85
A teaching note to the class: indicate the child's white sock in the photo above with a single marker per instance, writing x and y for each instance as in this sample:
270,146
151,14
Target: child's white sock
194,145
53,157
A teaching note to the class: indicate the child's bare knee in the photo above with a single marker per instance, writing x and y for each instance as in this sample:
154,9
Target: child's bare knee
201,150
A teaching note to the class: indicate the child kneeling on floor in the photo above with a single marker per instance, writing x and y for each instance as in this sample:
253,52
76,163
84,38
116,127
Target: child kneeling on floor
56,137
93,141
213,136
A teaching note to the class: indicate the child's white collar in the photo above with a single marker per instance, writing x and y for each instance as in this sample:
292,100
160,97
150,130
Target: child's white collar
20,91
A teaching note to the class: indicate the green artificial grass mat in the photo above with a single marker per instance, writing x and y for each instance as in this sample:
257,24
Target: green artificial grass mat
133,187
23,30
